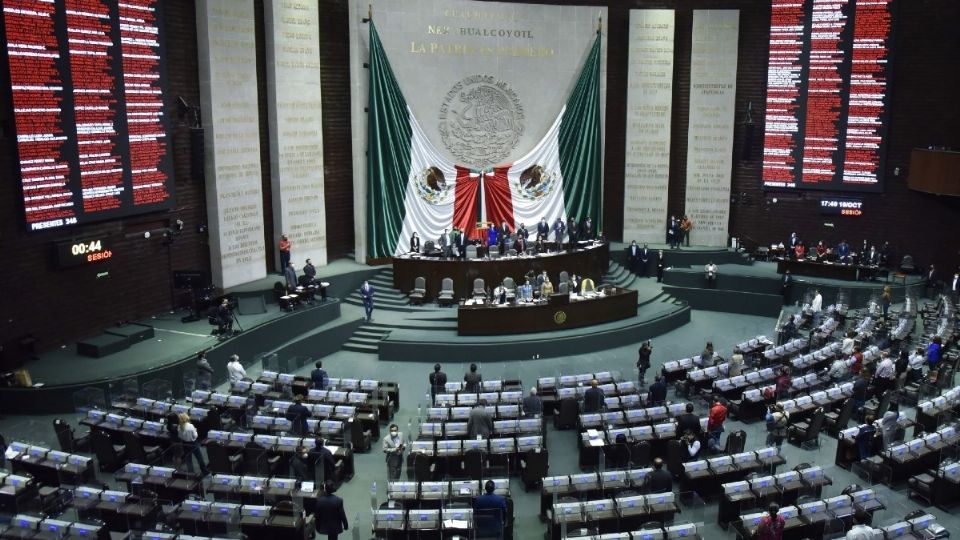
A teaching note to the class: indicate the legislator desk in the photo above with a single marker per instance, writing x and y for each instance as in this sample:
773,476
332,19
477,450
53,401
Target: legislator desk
588,260
493,319
848,272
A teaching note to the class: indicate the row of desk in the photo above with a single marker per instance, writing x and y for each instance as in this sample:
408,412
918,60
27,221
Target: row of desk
546,316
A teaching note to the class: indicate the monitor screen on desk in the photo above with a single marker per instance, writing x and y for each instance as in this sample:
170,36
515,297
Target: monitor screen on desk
113,496
26,522
254,510
282,483
84,530
897,530
237,401
681,531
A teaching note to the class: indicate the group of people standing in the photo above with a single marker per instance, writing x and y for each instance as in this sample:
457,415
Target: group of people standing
638,259
453,243
678,231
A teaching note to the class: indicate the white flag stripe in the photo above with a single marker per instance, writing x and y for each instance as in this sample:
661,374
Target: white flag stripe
427,219
551,206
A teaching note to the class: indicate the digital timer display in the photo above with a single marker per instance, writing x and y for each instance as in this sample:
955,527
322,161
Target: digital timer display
841,207
80,252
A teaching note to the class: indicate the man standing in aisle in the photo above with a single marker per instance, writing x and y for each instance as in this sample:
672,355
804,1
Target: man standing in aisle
393,448
438,381
235,370
290,274
330,516
366,292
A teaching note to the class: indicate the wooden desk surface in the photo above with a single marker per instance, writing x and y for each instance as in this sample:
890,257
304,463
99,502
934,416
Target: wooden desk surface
590,262
485,320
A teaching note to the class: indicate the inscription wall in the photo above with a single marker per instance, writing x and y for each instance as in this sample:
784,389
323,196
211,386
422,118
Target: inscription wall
296,131
713,90
649,109
228,98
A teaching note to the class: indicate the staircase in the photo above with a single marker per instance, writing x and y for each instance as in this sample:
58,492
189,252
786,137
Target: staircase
385,296
618,276
366,338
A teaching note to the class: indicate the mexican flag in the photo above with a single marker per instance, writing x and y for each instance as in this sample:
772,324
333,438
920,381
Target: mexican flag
411,187
560,177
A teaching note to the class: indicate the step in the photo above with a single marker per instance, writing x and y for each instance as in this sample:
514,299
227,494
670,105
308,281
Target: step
371,334
360,348
364,340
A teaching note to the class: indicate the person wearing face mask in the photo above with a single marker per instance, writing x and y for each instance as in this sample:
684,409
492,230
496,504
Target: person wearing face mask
393,448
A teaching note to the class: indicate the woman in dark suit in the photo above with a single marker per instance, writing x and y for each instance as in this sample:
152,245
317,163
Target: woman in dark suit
331,519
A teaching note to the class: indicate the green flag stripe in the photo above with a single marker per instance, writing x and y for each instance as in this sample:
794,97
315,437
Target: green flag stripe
388,153
579,143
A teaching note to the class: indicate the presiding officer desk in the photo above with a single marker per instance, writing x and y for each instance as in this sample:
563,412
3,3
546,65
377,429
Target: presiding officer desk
829,270
497,319
589,259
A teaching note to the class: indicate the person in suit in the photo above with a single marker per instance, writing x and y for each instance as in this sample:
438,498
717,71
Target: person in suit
504,229
300,465
643,360
931,279
689,422
414,243
658,392
661,264
464,242
321,456
644,259
490,510
318,376
541,279
794,240
843,252
438,381
558,231
593,398
660,480
366,293
586,230
204,372
310,271
297,414
523,232
444,242
532,404
290,275
331,519
472,380
573,231
786,284
393,447
479,424
543,228
633,256
671,227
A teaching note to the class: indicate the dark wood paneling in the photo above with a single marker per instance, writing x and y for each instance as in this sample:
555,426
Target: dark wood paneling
337,137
